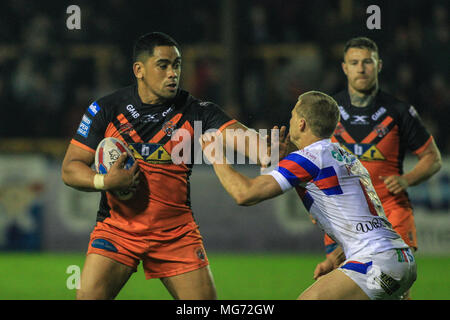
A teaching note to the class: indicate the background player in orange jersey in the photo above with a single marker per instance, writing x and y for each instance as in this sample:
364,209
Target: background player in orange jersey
379,129
156,226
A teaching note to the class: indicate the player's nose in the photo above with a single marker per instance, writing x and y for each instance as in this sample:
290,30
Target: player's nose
172,73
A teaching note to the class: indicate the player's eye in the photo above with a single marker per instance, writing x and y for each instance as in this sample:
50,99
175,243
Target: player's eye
163,66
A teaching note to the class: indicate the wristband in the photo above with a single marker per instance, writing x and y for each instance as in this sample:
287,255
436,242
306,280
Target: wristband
99,181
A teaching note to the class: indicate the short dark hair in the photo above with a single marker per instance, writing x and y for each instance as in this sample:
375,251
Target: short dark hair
361,42
146,44
321,111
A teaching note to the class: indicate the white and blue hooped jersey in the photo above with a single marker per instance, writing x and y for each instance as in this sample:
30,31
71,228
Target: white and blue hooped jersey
337,191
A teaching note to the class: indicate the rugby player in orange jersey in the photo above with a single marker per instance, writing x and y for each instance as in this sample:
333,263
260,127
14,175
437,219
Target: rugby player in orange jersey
379,129
156,226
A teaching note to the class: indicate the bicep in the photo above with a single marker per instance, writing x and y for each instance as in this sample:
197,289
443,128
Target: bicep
76,167
75,153
430,151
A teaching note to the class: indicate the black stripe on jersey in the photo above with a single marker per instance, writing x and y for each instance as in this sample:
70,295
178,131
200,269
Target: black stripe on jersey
104,210
119,129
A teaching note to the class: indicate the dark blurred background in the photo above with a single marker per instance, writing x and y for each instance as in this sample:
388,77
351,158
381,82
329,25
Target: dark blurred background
251,57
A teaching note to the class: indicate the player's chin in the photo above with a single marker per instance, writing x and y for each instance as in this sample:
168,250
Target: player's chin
170,92
363,85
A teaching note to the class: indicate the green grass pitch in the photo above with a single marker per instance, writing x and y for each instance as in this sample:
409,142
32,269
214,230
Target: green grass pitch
32,276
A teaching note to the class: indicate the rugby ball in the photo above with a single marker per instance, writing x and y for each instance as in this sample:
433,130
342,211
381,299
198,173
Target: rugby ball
107,153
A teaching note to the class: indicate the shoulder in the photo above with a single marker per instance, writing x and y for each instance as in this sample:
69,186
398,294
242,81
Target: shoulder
309,157
393,104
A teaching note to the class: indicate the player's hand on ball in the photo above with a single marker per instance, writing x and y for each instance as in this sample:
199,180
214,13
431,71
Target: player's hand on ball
120,179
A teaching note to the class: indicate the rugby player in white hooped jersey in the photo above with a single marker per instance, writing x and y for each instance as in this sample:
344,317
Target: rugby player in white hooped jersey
338,193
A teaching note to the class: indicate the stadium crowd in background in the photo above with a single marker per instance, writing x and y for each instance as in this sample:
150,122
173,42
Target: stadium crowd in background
48,89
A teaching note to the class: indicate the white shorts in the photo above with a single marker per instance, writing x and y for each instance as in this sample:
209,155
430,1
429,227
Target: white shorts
383,276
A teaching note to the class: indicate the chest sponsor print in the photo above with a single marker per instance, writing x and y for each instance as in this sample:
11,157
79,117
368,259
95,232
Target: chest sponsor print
150,152
364,151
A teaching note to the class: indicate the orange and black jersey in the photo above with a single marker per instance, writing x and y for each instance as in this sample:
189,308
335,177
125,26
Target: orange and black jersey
380,135
152,134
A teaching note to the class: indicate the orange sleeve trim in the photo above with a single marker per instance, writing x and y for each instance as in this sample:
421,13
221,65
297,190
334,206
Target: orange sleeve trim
422,148
226,124
82,146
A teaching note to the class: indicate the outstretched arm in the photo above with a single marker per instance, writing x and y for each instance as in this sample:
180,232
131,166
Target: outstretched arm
244,190
254,146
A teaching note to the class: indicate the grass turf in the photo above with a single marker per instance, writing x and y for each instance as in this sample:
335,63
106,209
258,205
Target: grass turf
33,276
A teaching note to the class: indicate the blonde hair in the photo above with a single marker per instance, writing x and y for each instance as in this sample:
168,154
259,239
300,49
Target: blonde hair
320,111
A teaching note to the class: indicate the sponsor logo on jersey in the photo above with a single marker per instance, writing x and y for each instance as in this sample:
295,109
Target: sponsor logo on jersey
359,120
378,113
381,130
125,128
146,118
367,226
150,152
132,111
413,111
168,127
344,113
364,151
93,109
155,117
204,103
84,126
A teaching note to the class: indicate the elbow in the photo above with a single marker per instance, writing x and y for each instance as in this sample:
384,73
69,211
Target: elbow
244,200
438,164
65,177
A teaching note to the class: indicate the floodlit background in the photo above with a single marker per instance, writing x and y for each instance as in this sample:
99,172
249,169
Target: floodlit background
253,58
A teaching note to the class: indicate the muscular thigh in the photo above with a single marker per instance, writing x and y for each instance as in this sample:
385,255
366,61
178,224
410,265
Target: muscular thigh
193,285
335,285
102,278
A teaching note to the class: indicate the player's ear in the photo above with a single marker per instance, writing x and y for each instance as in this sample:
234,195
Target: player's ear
138,70
302,124
380,65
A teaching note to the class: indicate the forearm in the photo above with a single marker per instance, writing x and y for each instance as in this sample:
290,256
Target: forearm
427,166
236,184
78,175
246,142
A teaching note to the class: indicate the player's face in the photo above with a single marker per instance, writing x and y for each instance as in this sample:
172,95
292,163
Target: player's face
361,66
294,129
160,73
